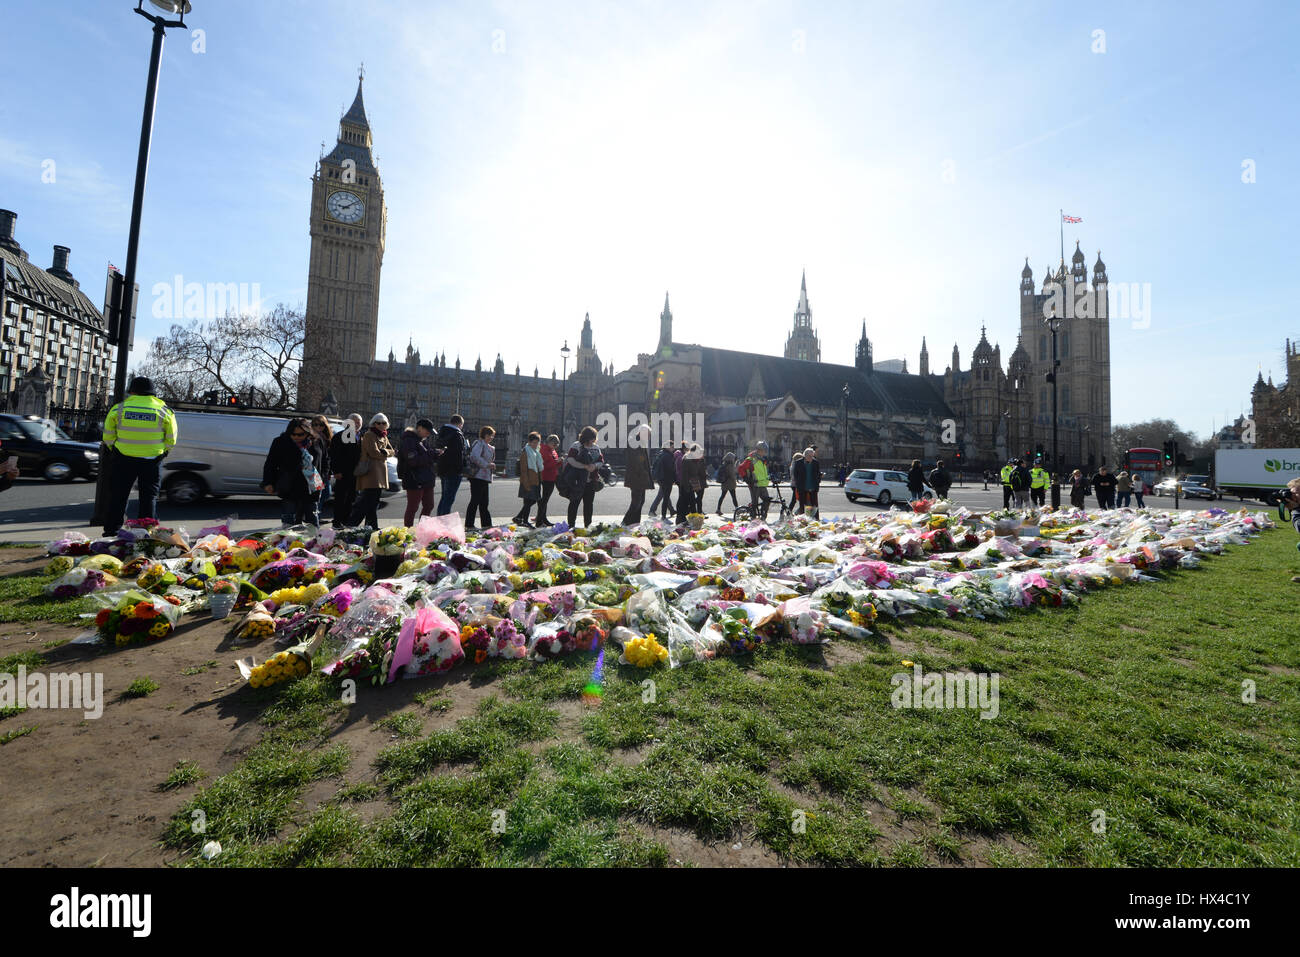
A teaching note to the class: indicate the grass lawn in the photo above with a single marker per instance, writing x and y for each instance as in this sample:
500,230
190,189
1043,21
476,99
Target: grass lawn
1122,739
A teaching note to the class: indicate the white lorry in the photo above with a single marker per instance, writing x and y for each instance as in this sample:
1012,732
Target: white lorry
1254,473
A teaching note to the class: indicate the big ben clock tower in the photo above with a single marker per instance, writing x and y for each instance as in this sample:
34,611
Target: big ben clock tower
347,252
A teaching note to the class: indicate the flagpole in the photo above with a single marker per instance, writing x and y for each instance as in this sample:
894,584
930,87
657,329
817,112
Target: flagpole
1062,225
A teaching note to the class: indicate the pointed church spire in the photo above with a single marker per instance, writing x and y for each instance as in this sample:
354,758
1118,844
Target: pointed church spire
356,114
925,358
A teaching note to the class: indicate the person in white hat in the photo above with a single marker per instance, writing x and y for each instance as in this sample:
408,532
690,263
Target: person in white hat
375,452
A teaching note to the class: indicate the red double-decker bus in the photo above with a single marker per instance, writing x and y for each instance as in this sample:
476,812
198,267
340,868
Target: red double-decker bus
1146,463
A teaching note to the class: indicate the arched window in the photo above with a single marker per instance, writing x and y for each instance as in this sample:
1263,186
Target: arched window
1065,345
1042,348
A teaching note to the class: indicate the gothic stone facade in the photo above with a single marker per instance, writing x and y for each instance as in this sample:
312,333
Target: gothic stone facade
854,412
1276,410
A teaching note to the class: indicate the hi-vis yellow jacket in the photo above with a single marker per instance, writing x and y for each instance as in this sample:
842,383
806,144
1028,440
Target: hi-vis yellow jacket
141,427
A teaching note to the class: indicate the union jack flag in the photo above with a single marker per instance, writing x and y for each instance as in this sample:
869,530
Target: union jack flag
1071,219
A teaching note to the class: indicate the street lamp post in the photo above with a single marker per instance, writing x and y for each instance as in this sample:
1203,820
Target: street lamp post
564,384
845,450
125,331
1053,323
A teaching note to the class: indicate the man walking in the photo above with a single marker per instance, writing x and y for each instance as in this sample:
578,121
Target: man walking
1103,483
665,476
453,456
345,453
1038,482
940,480
1021,479
1007,469
139,432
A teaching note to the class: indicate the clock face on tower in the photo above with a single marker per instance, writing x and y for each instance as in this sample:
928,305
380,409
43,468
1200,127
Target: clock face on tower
345,206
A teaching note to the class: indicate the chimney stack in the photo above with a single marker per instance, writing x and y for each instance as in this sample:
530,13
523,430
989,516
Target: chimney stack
60,267
7,241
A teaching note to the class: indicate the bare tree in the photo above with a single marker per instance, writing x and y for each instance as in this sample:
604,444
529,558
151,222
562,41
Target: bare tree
245,355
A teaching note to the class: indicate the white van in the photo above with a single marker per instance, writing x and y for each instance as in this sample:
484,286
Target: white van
221,453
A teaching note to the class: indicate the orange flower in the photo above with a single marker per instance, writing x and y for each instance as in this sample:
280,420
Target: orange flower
102,618
146,610
480,656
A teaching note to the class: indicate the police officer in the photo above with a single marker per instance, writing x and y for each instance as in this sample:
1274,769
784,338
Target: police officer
1038,482
139,431
1006,482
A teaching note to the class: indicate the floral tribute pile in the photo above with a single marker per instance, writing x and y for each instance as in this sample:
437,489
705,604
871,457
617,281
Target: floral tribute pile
656,593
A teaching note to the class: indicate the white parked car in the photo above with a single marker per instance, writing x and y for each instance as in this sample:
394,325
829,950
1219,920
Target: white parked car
882,486
1166,487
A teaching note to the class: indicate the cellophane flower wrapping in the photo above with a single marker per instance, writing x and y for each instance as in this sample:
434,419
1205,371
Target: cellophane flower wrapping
136,617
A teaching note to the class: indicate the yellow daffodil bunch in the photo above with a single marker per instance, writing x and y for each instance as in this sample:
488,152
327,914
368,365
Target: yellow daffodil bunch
271,555
284,666
645,652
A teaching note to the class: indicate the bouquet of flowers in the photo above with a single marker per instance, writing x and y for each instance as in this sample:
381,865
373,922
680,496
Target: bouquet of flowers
475,640
257,625
156,578
738,637
338,601
137,617
390,541
939,540
223,586
372,660
78,582
922,506
433,641
507,641
588,635
1039,591
643,651
72,543
287,665
550,641
60,565
285,573
300,595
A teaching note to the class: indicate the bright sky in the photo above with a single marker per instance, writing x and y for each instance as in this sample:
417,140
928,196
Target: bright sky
546,160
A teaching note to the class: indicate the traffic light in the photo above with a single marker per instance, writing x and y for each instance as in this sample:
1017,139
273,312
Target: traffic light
959,456
1169,454
1180,460
232,400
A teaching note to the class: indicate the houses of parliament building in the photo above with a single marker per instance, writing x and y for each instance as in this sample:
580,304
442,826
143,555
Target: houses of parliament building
856,411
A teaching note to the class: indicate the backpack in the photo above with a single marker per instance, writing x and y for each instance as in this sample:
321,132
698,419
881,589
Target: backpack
745,470
1017,481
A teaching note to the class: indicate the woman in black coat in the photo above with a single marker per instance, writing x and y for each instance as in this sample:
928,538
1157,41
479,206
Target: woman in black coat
915,479
293,471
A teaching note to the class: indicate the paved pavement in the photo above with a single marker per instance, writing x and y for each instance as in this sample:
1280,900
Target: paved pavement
34,510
